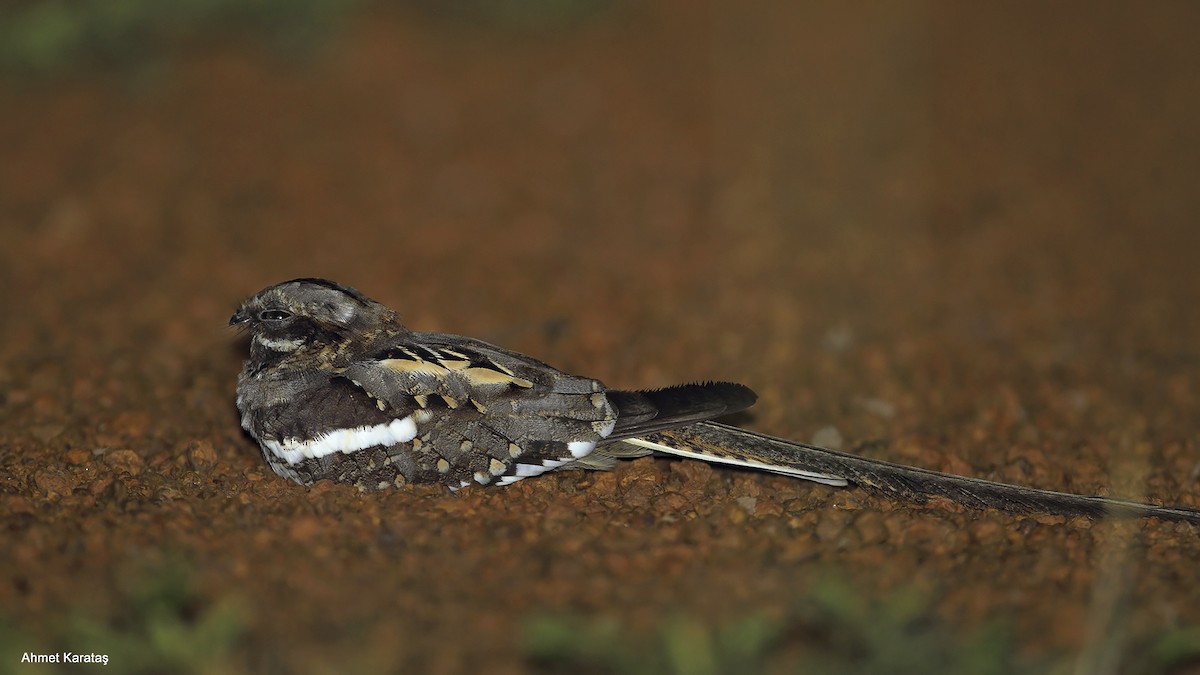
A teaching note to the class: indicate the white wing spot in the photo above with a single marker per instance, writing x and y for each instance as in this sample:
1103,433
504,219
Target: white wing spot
346,441
526,470
581,448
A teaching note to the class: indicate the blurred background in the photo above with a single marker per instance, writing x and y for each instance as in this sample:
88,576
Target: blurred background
952,234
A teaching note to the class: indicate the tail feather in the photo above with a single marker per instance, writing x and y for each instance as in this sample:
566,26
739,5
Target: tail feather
724,444
734,457
643,412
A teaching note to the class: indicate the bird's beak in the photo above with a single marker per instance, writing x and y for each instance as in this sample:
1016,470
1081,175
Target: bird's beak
239,317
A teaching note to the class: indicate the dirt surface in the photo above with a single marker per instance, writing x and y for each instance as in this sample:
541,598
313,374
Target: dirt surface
962,238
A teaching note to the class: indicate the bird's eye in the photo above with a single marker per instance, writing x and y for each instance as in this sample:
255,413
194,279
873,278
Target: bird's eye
273,315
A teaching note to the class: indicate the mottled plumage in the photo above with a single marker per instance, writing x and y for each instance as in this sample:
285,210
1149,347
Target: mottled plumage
337,388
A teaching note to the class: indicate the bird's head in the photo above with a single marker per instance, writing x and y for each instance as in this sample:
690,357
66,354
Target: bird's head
308,314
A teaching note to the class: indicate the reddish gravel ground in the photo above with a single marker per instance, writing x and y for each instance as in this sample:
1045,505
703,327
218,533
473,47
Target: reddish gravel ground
963,238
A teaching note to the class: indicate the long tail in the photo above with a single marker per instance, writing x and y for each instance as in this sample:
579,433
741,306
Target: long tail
644,415
720,443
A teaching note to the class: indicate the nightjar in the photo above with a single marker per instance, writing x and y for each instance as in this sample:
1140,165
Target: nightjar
337,388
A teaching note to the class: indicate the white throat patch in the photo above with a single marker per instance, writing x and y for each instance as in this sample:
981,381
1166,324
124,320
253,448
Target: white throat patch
278,345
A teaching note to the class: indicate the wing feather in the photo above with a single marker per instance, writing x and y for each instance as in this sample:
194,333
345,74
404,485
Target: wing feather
485,414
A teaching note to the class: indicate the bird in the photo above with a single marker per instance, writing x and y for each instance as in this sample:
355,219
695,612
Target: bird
337,388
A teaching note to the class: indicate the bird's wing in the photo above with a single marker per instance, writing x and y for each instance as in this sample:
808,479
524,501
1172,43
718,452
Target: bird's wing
484,414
